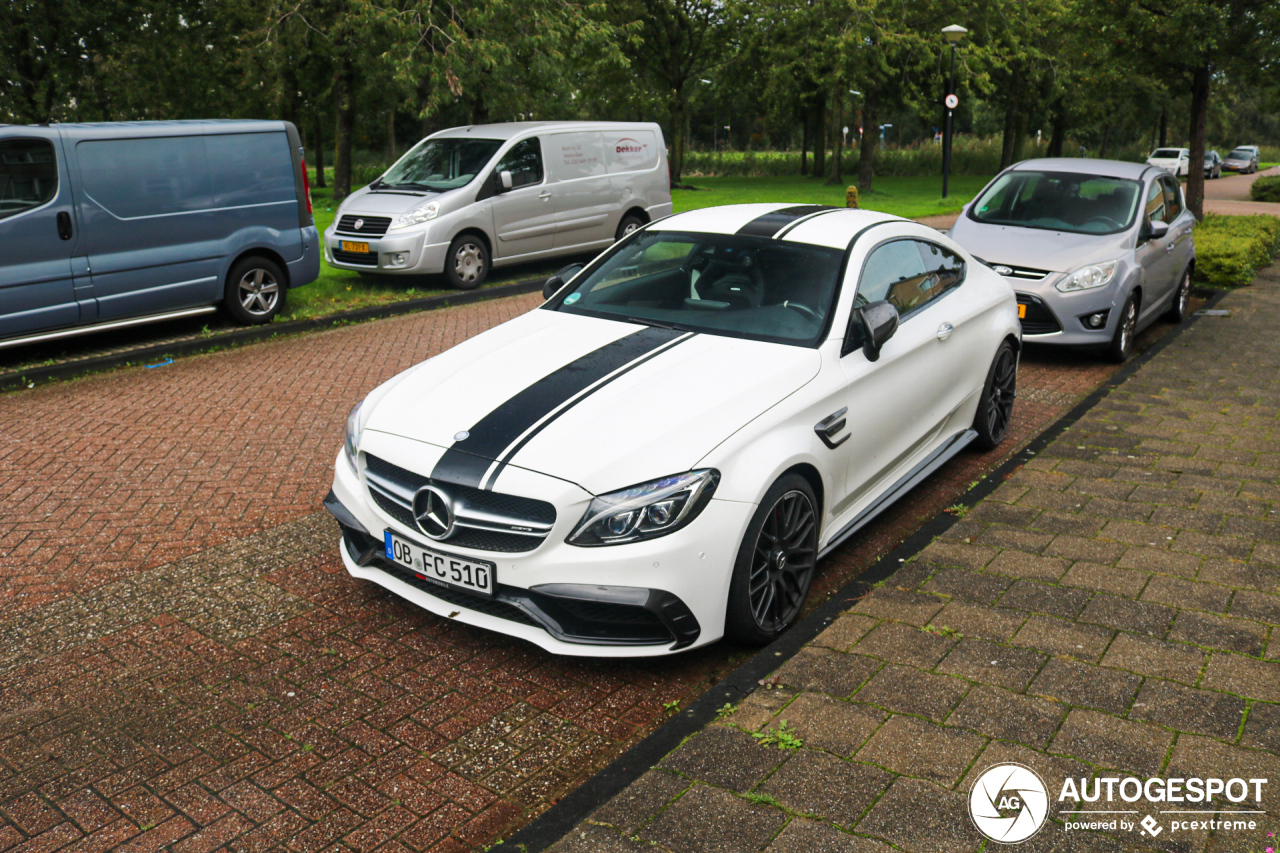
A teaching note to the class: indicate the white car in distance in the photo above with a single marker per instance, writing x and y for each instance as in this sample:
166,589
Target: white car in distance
661,453
1176,161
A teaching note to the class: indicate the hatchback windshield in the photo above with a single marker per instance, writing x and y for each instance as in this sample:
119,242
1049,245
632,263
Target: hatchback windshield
440,164
1059,201
722,284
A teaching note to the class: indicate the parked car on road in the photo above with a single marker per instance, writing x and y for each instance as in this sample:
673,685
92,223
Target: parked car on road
1095,249
1212,164
110,225
1174,160
469,199
1243,159
662,452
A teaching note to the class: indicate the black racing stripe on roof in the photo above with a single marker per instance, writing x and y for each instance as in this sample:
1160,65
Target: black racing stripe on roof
774,221
466,461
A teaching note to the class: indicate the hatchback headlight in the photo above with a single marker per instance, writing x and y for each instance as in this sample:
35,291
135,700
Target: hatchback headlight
352,445
416,216
645,511
1087,278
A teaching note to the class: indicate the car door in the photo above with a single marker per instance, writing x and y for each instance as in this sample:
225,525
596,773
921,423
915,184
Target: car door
37,233
899,404
1181,223
523,216
585,207
1154,254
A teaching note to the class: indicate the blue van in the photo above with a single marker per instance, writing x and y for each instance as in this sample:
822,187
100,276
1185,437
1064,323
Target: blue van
115,224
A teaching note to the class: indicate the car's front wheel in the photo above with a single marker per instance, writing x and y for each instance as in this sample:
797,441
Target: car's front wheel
1126,327
467,264
775,563
995,409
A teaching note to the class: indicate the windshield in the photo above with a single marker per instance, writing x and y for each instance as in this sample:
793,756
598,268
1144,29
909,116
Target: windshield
1240,154
721,284
440,164
1167,154
1059,201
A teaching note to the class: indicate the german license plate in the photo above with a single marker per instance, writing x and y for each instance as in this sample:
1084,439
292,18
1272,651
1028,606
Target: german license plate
440,568
1022,312
348,246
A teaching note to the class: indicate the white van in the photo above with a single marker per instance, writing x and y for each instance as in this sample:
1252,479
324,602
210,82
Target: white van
467,199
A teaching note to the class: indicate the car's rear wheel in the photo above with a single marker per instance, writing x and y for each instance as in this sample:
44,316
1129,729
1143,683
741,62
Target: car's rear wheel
629,223
995,409
255,291
1126,327
775,563
1181,299
467,265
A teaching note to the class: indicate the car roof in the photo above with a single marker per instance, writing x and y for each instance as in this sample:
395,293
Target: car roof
817,225
1084,166
509,129
192,127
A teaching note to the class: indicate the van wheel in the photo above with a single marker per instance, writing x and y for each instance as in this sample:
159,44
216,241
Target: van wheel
467,264
255,291
775,563
629,224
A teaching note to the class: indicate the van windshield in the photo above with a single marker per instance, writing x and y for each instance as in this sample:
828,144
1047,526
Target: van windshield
439,164
1167,154
1240,154
1059,201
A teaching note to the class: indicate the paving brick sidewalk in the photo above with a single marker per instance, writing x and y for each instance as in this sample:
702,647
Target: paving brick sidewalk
1111,609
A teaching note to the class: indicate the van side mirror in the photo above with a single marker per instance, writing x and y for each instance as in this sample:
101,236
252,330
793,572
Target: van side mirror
879,320
559,280
504,180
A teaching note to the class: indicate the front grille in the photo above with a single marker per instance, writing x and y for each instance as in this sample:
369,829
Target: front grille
370,226
360,259
1039,320
486,521
479,603
1024,273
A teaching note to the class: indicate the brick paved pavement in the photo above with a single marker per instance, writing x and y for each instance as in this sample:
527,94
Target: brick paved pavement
1110,609
183,661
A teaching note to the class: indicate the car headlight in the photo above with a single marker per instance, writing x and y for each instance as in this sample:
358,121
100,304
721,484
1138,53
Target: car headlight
352,445
1087,278
645,511
421,213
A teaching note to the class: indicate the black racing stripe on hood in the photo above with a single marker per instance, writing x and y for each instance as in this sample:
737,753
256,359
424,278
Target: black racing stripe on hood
773,222
466,461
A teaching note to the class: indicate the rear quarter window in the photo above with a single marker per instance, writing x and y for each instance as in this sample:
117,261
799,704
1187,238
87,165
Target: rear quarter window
631,151
146,177
250,168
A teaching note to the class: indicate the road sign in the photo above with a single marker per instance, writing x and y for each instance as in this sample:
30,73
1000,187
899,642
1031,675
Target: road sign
952,102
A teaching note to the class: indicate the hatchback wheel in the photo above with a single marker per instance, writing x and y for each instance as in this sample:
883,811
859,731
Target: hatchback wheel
775,563
995,409
467,264
1178,310
1126,328
255,291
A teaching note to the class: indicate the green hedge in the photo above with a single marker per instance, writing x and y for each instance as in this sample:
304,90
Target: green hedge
1266,189
969,156
1231,249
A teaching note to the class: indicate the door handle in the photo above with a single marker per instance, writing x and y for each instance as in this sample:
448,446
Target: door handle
829,426
64,225
1169,248
544,195
945,330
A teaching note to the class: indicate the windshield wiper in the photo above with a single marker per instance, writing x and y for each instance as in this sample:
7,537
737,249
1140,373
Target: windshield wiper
657,324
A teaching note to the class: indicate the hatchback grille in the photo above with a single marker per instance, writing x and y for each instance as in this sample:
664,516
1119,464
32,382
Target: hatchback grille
486,521
370,226
360,259
1024,273
1039,320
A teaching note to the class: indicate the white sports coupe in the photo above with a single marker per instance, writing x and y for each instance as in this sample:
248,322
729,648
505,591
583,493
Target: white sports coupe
660,454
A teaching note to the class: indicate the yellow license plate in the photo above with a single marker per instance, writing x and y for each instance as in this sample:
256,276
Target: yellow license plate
348,246
1022,309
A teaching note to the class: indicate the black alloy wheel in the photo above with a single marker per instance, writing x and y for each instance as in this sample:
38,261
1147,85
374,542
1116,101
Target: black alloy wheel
995,409
775,564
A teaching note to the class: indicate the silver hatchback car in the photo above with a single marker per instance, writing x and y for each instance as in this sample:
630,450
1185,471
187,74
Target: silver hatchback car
1096,250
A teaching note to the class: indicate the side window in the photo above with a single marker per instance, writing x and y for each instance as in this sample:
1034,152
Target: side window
146,177
1172,198
28,174
524,162
947,265
1156,208
908,274
250,168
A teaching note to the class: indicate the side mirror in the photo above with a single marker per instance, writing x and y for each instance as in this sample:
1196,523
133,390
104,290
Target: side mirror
560,279
1156,230
504,180
879,321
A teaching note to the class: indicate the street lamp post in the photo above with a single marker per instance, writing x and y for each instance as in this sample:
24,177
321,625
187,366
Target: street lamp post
954,34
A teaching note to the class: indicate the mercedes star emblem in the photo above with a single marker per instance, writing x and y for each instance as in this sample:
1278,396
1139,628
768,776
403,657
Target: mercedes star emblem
359,224
433,512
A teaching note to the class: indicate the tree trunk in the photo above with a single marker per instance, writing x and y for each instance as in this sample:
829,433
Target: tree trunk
1164,126
1010,131
1199,122
1019,136
1059,133
804,143
834,176
867,146
317,146
344,100
820,137
391,134
1106,138
675,106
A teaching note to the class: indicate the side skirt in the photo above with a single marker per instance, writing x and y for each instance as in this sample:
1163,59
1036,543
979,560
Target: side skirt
909,481
106,327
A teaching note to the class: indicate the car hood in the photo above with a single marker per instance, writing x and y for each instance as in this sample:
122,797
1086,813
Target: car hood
1057,251
387,202
599,403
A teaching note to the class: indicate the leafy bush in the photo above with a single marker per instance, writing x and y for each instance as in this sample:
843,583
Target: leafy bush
1265,189
1231,249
